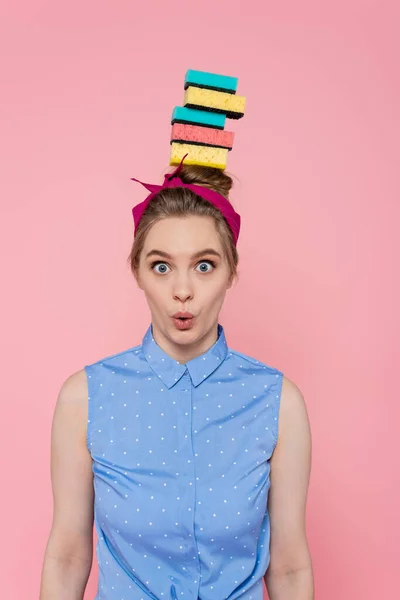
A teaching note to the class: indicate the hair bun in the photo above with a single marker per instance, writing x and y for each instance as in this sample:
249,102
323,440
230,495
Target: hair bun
211,177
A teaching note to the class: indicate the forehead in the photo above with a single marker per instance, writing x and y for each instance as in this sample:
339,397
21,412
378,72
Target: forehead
177,235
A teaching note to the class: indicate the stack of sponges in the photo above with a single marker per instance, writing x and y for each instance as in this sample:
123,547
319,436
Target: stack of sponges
198,125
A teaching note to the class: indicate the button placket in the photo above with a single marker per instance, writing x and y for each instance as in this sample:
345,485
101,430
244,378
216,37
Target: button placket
188,455
184,454
193,564
187,487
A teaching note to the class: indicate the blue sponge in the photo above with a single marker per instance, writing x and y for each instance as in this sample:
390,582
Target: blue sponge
198,117
212,81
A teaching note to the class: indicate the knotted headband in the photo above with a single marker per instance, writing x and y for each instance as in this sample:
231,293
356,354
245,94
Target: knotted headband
171,180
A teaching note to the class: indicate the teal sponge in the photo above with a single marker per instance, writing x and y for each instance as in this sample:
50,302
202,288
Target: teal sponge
211,81
198,117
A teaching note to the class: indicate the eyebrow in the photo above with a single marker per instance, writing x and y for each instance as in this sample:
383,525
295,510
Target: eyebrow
195,255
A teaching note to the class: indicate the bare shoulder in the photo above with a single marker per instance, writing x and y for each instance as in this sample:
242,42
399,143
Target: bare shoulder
290,391
74,389
293,409
72,405
293,424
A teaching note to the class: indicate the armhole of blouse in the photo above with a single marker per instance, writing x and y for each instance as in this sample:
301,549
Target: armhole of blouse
277,403
90,376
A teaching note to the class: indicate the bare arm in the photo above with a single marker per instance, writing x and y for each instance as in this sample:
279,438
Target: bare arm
290,575
69,552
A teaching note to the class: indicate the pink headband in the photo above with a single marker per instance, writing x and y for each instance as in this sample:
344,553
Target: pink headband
172,181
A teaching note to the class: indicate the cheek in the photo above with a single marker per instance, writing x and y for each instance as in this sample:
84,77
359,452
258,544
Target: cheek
158,293
214,294
154,294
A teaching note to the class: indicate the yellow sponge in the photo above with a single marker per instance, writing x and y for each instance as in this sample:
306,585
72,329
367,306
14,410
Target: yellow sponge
206,156
221,102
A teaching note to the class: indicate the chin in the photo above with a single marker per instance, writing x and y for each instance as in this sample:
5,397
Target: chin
184,337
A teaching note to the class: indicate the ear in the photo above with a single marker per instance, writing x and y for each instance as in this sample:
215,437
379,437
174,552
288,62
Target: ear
137,278
231,280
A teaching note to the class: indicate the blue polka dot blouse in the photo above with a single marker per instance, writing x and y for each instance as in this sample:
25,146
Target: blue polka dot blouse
180,458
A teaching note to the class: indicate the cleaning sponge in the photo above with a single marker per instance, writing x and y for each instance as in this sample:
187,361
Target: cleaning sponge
206,156
198,117
212,81
206,136
221,102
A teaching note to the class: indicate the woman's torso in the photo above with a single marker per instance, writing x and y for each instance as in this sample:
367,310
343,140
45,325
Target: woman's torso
181,472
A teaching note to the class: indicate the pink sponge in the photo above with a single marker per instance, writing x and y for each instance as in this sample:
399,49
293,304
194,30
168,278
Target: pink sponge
206,136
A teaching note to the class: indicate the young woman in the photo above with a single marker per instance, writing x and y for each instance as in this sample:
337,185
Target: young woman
192,459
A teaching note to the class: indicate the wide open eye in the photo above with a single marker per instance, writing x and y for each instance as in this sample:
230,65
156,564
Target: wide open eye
206,266
160,267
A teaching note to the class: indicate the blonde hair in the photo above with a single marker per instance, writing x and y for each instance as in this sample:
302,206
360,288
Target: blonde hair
181,202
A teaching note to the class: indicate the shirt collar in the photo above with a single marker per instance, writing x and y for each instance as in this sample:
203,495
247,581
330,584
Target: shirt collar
170,370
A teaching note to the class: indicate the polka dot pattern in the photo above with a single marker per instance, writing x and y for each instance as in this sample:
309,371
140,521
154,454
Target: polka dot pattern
181,465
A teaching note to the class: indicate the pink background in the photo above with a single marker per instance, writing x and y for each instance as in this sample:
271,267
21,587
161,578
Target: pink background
87,90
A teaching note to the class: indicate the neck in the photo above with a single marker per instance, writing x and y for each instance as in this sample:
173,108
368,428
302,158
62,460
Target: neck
183,353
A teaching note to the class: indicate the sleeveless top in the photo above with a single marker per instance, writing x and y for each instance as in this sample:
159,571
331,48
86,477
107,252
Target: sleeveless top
180,459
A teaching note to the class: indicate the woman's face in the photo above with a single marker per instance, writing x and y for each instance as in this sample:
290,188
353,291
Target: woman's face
183,269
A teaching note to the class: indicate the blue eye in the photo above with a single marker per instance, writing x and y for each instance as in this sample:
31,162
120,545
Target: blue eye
160,267
205,266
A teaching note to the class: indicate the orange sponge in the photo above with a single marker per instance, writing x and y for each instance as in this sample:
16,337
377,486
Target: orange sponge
206,136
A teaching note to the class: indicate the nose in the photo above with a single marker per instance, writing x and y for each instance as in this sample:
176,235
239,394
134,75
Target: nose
173,593
183,288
